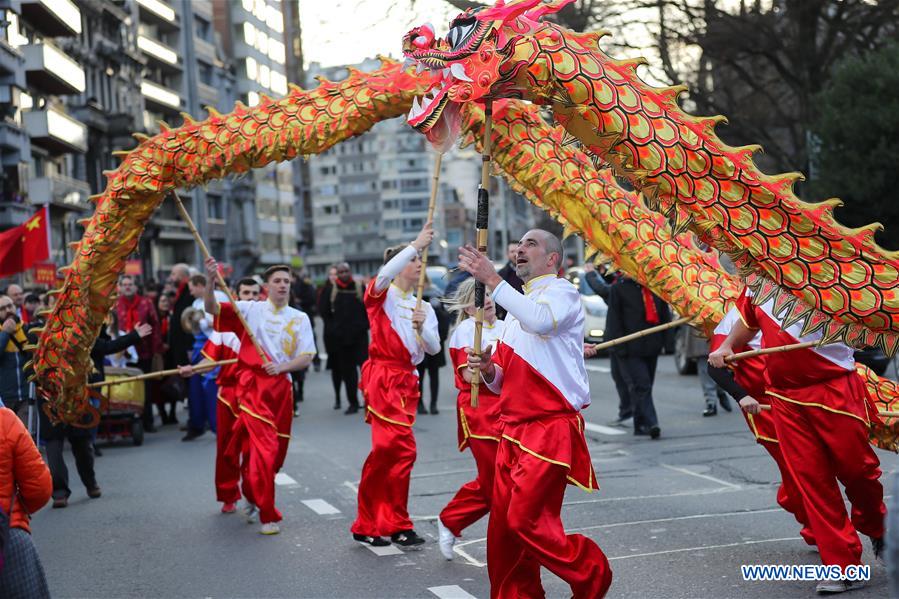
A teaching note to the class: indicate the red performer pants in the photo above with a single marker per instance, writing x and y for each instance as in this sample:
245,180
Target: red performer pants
788,495
472,501
526,532
227,466
384,490
819,448
261,435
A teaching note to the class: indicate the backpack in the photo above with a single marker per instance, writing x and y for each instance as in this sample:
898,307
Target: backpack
5,520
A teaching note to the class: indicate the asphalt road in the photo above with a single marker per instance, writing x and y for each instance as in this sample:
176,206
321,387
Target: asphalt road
677,517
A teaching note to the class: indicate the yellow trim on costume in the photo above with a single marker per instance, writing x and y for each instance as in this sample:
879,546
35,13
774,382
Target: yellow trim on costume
265,420
467,434
822,406
386,419
755,430
374,291
535,454
207,356
403,294
527,286
219,397
745,324
275,308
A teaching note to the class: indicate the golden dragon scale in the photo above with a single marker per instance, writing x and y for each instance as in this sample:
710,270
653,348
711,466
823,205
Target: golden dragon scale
562,180
820,273
302,123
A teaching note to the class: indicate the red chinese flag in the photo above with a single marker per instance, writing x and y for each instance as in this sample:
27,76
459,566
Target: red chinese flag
23,246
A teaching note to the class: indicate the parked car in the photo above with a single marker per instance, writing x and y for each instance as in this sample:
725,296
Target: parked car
685,347
439,278
595,308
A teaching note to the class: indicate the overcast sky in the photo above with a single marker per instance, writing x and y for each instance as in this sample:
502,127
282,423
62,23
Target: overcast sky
338,32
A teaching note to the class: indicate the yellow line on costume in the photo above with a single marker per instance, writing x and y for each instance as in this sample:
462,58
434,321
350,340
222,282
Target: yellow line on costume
265,420
386,419
219,397
822,406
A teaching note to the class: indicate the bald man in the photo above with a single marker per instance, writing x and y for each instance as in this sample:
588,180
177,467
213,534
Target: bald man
538,371
17,295
180,342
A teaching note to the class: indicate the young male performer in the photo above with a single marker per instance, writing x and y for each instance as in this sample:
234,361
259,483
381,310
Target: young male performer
400,336
822,421
745,382
538,370
478,427
226,346
266,393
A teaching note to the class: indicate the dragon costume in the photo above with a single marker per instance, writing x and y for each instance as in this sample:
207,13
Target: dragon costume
821,273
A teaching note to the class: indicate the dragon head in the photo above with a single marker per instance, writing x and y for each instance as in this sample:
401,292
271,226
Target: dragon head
467,64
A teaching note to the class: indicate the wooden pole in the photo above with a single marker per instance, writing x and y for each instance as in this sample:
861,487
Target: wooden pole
643,333
770,350
203,367
432,203
221,280
482,223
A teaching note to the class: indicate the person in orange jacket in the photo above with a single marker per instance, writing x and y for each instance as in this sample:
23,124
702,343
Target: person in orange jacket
24,475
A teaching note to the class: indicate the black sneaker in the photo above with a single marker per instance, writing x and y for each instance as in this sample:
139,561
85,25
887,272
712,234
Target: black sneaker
192,434
655,432
710,410
406,538
373,541
878,546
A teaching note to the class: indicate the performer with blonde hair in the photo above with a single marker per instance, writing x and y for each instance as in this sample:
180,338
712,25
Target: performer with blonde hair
478,426
400,337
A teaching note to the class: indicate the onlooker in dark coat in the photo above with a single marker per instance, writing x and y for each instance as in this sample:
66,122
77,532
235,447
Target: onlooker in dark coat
509,275
134,309
79,438
13,339
601,286
431,364
24,475
346,333
180,342
633,308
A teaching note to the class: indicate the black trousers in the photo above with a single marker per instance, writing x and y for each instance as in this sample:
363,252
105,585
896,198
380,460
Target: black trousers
345,371
146,365
625,406
433,371
640,373
84,461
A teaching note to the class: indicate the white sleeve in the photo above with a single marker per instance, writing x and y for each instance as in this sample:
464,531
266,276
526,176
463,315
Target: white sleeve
307,341
496,385
430,337
535,317
394,267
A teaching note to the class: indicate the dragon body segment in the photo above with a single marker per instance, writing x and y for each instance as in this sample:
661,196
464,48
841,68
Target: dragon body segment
822,274
302,123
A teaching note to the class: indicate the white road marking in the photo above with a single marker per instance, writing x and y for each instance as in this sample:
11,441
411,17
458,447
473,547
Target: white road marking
459,548
603,430
320,507
451,592
704,547
597,368
384,551
284,479
351,486
704,476
659,496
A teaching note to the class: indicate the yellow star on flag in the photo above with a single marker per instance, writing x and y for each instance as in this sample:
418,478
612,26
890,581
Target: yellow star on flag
33,223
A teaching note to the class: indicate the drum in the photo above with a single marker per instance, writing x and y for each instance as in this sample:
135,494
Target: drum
127,397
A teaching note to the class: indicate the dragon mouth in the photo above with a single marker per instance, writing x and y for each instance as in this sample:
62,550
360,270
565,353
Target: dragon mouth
425,113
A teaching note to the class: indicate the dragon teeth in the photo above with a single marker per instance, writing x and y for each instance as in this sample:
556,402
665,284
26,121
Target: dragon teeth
458,72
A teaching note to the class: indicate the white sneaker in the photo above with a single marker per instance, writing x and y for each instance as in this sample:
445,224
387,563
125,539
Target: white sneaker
270,528
445,540
251,513
831,587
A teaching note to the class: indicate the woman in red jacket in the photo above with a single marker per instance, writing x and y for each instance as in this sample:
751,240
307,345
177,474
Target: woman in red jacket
23,473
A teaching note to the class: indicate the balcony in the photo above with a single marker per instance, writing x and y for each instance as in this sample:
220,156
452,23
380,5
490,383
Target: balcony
208,95
204,51
55,131
159,12
51,70
159,54
160,96
54,18
10,62
59,190
14,144
13,214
